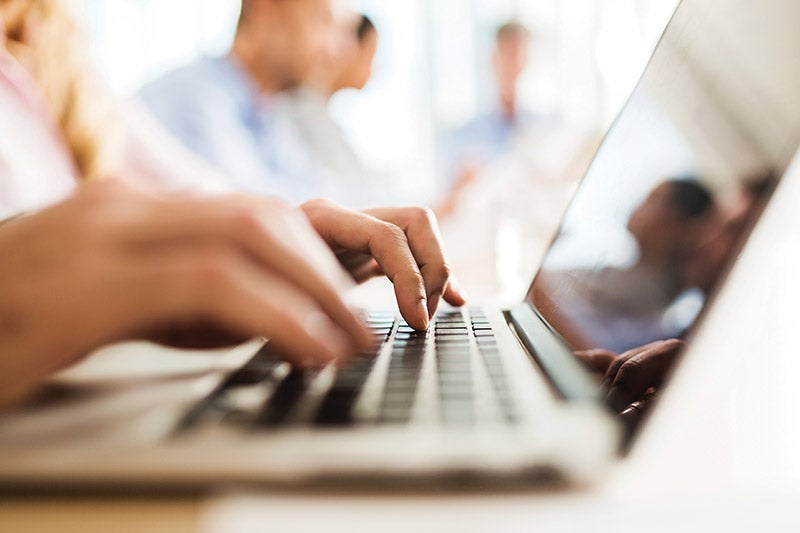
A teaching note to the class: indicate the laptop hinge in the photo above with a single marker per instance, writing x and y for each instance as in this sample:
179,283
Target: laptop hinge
571,380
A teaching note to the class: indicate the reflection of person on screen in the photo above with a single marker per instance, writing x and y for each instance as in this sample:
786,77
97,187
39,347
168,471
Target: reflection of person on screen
632,381
618,308
704,269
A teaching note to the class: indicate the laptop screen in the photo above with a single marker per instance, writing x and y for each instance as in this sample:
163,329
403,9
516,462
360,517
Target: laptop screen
679,179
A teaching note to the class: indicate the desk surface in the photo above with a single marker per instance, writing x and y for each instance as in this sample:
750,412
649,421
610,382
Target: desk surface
601,509
100,515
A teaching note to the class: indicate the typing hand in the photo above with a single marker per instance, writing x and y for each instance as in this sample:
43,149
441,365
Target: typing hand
402,243
113,263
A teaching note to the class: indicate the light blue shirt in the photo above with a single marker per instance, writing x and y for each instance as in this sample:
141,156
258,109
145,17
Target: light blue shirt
214,107
487,138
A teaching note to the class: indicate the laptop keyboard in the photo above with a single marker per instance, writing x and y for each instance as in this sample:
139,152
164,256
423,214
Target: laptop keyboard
451,374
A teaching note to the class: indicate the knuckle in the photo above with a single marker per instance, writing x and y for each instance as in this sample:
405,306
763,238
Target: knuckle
443,271
674,345
320,203
98,195
391,233
628,374
105,194
278,204
93,220
87,221
212,272
248,220
438,274
410,277
613,370
107,187
297,326
423,215
288,323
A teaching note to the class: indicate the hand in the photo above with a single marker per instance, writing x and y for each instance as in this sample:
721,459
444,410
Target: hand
403,243
640,372
113,264
597,360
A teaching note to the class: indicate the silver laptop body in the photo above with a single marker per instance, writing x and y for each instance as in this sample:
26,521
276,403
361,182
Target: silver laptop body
485,395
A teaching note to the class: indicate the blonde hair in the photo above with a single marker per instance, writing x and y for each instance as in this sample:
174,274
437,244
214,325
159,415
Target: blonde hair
43,37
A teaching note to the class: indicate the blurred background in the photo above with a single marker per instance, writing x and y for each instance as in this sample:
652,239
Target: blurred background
431,69
433,74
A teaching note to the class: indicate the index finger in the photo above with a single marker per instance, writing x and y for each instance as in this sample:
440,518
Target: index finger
425,241
384,241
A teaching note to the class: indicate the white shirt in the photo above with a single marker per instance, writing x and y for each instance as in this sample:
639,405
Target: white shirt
37,169
325,150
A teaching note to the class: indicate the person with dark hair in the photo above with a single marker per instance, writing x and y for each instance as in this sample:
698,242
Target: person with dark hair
661,222
365,28
624,302
353,67
306,111
721,242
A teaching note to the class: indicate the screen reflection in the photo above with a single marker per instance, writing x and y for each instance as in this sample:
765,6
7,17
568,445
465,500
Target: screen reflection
676,185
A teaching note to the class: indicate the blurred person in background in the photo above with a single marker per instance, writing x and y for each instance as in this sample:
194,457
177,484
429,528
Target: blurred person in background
95,263
510,174
490,137
60,125
307,110
224,109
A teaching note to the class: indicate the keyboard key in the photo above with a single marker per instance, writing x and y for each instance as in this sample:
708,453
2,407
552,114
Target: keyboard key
336,409
285,398
450,340
402,380
455,327
394,416
459,390
458,413
258,369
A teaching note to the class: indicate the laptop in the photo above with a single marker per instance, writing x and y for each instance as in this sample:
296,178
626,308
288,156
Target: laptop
487,394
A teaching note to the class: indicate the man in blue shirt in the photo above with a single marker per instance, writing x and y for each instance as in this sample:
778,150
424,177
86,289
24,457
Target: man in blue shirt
491,136
223,108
